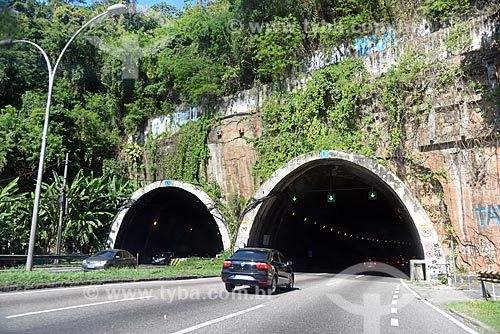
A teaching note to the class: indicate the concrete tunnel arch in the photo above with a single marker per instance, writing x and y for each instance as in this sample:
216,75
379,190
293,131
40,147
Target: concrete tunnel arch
253,220
169,204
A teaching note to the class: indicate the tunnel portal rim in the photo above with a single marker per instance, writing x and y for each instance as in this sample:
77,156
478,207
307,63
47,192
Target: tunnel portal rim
188,187
427,235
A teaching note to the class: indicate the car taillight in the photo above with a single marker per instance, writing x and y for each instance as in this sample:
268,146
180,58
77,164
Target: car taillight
263,266
226,264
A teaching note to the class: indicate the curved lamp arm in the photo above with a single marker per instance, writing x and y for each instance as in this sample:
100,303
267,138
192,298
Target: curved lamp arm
111,10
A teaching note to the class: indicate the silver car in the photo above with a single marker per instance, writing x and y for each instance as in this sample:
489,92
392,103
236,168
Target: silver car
109,258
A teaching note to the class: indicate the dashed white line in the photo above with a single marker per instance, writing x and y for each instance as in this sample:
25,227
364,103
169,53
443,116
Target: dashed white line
446,315
210,322
74,307
394,322
394,310
394,302
395,297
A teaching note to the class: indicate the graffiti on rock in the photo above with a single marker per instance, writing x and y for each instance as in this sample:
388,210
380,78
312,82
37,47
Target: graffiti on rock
487,214
173,121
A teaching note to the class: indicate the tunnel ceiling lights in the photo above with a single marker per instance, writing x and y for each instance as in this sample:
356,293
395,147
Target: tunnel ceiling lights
330,197
359,237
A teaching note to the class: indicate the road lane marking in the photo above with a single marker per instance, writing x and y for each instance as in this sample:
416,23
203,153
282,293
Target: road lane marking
435,308
395,297
394,322
75,307
332,283
213,321
394,310
394,302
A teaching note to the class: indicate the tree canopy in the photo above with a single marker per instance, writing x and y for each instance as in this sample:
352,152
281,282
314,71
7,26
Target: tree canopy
126,69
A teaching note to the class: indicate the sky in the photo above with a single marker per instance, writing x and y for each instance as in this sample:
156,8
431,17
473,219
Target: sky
148,3
177,3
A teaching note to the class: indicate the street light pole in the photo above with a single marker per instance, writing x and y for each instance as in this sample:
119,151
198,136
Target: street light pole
111,10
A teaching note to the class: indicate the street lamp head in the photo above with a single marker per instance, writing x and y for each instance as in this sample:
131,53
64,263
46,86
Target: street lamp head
6,43
117,9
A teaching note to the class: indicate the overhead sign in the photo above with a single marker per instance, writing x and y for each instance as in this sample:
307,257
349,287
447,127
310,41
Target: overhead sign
372,195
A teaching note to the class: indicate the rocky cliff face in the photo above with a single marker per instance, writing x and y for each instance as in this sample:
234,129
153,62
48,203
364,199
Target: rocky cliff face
455,145
232,157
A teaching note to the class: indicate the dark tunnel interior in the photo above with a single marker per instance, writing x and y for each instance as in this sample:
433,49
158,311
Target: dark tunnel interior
331,214
169,219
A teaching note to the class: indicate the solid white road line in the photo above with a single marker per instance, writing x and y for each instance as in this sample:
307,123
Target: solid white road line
75,307
446,315
208,323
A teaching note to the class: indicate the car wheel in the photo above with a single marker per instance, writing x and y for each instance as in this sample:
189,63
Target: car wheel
230,287
272,288
289,286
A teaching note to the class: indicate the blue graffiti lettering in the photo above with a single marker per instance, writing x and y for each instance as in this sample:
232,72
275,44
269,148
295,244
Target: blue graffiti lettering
486,214
366,44
173,121
492,215
363,46
479,210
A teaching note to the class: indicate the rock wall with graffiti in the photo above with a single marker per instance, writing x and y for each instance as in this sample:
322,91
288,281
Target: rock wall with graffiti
170,123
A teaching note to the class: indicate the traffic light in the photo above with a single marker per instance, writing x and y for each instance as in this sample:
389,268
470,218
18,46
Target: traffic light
295,199
372,195
330,198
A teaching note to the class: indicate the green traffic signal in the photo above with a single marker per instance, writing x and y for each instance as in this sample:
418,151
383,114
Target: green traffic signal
330,198
372,195
295,199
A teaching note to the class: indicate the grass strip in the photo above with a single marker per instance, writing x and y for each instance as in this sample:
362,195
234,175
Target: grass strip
486,311
20,279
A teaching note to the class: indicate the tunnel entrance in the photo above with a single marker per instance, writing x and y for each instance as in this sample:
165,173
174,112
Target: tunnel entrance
327,214
166,217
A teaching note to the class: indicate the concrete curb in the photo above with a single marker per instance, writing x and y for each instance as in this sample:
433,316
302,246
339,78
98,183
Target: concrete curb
473,321
465,319
97,282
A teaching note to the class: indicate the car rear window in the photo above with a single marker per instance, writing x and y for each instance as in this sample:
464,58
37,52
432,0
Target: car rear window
250,255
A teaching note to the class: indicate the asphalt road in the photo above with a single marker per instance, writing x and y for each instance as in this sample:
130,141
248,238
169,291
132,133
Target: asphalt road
320,303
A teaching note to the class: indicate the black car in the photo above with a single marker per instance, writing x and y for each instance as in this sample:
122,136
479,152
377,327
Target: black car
257,267
162,258
109,258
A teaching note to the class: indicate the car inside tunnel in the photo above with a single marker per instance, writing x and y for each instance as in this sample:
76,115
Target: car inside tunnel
169,219
331,214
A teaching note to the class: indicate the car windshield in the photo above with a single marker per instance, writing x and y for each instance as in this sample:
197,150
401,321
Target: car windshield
250,255
106,253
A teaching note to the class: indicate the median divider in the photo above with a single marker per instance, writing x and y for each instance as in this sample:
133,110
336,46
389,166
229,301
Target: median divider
176,261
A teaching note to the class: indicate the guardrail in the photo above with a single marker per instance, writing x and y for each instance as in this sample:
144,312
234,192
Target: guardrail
488,276
13,259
